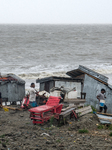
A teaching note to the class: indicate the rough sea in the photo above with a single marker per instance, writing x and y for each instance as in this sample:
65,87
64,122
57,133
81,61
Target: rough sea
36,51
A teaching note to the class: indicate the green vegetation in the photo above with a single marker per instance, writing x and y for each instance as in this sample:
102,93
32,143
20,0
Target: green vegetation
27,123
110,134
51,120
79,113
2,136
110,127
106,127
93,109
101,127
47,128
4,144
7,141
83,131
69,129
58,141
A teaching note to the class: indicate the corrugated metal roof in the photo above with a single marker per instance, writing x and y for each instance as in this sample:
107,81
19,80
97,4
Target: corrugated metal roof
84,70
54,78
11,77
104,119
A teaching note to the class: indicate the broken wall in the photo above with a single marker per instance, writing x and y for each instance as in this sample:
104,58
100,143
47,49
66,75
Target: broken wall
11,91
47,86
93,87
70,85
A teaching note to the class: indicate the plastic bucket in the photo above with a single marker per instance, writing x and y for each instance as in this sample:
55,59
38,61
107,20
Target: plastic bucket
102,103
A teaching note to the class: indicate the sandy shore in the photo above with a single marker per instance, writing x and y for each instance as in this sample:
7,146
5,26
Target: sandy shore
18,133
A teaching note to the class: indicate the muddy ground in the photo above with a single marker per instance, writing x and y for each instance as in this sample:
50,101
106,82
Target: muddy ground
18,133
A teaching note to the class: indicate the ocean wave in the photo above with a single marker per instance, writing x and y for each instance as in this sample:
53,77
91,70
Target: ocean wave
30,74
105,68
42,75
61,70
41,71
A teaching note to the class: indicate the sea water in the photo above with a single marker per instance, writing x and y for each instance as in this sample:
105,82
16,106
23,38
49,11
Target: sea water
36,51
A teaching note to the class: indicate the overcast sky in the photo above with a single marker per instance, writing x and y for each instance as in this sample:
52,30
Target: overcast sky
56,11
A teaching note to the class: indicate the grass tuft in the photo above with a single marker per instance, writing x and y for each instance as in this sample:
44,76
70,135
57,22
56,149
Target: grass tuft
93,109
58,141
110,134
51,120
2,136
110,127
101,127
83,131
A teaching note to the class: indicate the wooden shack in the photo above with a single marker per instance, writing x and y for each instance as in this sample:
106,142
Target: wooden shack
53,81
92,83
12,88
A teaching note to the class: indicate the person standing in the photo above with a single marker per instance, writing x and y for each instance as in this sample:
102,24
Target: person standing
102,96
32,97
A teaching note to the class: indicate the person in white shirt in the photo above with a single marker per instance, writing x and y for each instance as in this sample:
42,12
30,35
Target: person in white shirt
32,97
101,96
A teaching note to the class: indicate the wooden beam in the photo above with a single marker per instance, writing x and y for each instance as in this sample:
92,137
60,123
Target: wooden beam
85,112
67,112
105,119
106,114
64,109
83,109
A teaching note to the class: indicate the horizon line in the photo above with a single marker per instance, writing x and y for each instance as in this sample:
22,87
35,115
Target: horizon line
55,23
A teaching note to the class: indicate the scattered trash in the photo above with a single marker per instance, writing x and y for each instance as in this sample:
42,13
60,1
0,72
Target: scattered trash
90,120
5,109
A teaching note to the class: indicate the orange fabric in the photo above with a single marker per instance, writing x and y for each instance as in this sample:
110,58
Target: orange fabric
4,78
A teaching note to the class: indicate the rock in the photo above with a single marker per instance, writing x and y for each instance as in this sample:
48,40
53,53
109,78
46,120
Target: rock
49,142
54,146
78,139
61,145
0,146
4,144
8,134
21,115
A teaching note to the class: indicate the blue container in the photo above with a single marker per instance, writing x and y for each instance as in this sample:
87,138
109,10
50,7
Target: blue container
102,103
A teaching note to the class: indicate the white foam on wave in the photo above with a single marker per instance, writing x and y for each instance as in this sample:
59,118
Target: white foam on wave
41,71
42,75
61,70
105,69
